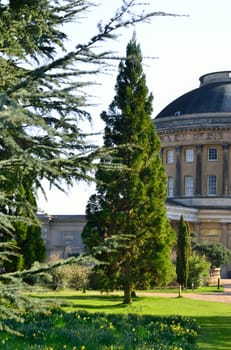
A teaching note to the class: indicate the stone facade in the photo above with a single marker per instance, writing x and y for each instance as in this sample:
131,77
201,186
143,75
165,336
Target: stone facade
195,134
62,235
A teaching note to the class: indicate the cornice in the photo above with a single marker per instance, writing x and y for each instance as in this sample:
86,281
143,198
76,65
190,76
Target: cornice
192,129
193,122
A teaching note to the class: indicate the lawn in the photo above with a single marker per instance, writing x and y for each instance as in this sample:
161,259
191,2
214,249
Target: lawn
88,321
210,289
214,318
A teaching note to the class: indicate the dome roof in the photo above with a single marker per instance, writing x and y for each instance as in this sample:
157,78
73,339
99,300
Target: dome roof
213,96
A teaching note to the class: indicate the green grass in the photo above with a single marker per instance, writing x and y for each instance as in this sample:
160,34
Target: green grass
214,318
210,289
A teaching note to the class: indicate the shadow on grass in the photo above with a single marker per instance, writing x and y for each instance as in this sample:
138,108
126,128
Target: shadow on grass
215,332
81,297
94,307
80,301
215,326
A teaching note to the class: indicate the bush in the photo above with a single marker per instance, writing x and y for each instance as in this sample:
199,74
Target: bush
67,276
70,276
198,271
215,252
78,276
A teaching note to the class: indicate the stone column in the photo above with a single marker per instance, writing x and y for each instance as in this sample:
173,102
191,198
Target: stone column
198,170
197,230
224,234
178,172
225,178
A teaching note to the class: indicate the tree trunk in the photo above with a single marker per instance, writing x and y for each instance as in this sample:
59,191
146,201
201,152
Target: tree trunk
127,282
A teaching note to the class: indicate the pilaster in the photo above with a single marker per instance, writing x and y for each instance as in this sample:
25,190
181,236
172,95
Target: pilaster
225,182
178,171
198,170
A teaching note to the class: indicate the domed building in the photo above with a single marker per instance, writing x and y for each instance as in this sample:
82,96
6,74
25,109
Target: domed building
195,133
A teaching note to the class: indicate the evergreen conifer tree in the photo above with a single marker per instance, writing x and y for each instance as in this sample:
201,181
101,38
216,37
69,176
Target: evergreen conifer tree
127,225
183,252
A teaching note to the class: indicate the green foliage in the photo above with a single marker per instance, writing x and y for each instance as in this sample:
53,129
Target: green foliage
183,253
43,96
27,236
198,271
68,276
43,99
31,28
127,226
13,298
39,104
30,247
215,252
81,330
100,279
33,247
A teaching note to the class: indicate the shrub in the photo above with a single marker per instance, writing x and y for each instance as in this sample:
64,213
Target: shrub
198,271
215,252
66,276
78,276
70,276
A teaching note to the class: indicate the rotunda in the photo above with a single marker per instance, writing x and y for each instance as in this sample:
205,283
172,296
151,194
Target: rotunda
195,133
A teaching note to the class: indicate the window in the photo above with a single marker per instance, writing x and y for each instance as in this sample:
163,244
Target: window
212,154
212,185
170,186
189,155
170,157
188,186
68,237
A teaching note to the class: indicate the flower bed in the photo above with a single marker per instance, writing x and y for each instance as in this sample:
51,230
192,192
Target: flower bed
56,330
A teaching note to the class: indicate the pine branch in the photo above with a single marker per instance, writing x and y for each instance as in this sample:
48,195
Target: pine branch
11,276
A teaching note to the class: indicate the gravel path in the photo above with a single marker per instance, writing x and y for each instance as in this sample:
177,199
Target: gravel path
223,297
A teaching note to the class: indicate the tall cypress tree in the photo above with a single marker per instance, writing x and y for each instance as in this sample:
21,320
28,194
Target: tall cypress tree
126,219
183,252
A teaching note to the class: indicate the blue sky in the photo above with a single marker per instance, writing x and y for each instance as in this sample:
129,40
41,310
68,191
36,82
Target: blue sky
187,48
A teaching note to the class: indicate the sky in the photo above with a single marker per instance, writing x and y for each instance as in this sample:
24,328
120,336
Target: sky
182,49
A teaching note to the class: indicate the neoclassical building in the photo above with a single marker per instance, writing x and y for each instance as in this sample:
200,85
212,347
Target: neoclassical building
62,235
195,133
